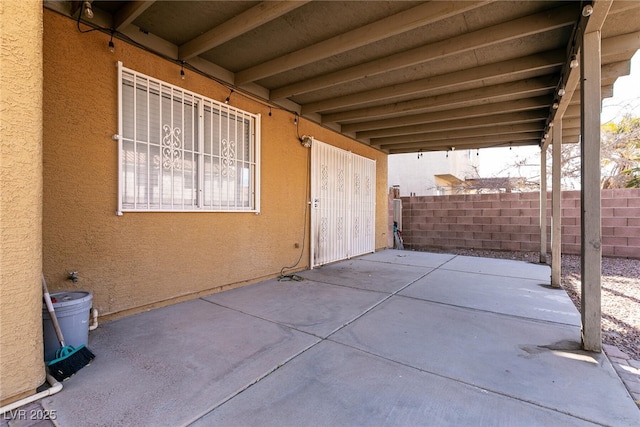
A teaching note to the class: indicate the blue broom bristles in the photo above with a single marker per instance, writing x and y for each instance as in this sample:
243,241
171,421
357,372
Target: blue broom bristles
69,360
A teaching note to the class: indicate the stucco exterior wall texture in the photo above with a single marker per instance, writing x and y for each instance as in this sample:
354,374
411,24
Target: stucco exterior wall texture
21,361
142,260
510,222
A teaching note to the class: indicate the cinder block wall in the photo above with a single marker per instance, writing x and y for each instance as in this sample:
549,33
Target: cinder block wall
510,222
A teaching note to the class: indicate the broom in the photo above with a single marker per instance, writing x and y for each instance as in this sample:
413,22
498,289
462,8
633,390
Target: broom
69,359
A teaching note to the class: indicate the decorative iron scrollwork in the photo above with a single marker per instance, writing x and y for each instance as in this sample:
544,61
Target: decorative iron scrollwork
228,158
323,229
171,148
324,178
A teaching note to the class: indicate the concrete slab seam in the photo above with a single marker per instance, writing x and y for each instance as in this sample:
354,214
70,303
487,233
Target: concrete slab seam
488,311
251,384
408,265
500,275
320,339
468,384
431,270
255,316
380,302
385,298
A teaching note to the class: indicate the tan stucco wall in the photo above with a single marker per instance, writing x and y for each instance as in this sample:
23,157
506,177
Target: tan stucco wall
21,354
138,260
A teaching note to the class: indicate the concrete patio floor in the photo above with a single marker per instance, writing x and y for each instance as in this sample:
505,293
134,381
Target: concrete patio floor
390,338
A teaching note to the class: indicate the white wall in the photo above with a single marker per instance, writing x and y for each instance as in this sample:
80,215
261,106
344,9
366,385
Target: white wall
415,175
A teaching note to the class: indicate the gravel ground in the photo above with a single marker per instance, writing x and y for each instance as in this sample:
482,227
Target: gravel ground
620,293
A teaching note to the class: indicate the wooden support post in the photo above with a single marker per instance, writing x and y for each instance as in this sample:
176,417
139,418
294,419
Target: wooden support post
556,207
543,205
591,240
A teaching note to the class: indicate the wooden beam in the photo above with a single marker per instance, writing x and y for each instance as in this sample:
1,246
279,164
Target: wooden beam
625,43
590,220
572,111
556,205
543,207
438,116
574,140
477,122
571,76
595,22
606,91
480,96
129,12
256,16
518,28
459,143
407,20
445,145
543,63
571,123
569,132
609,73
150,41
457,134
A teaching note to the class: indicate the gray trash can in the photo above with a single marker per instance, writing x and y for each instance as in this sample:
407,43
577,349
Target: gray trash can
73,310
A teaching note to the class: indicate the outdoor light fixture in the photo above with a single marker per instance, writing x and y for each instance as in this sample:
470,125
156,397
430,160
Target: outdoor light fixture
112,47
306,141
587,10
574,61
561,91
555,105
182,72
228,98
87,10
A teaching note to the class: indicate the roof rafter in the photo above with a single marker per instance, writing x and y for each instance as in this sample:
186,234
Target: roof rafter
416,17
457,142
478,142
385,143
512,69
129,12
236,26
488,36
482,95
475,122
478,111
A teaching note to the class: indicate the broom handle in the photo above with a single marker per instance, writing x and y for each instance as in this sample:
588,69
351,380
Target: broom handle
52,313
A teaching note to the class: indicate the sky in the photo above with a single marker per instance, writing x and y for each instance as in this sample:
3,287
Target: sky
626,98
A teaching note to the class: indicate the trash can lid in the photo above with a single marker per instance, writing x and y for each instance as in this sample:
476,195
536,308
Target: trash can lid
68,298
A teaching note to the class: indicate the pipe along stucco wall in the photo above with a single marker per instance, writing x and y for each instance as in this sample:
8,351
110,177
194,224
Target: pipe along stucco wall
141,260
21,361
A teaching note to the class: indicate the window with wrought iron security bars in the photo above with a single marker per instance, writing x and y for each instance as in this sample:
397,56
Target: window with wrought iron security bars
180,151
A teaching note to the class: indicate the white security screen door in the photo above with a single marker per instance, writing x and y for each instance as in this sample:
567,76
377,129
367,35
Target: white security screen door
342,204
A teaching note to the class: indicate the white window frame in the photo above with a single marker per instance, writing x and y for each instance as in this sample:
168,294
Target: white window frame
198,164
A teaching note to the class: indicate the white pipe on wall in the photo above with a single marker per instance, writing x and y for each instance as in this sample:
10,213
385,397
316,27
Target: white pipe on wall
94,319
55,387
